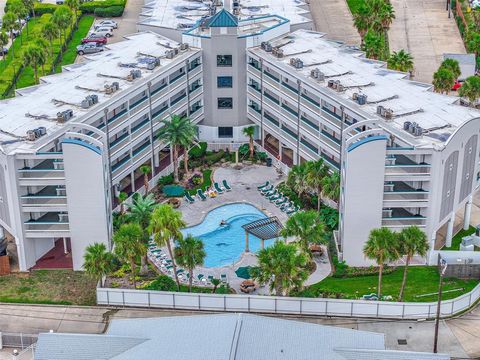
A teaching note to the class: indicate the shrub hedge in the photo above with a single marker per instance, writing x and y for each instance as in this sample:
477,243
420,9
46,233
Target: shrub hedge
198,151
112,11
92,6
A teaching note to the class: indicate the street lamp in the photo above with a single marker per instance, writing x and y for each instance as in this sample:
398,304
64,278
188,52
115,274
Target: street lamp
442,264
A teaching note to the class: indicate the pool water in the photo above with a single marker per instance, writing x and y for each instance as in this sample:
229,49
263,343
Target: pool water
225,244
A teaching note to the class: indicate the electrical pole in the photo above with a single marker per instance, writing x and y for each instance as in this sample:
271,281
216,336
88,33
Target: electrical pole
442,266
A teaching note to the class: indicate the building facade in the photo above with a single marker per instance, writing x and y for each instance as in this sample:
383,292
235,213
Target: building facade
406,155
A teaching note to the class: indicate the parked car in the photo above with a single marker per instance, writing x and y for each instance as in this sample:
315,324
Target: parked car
89,48
60,2
99,27
3,51
93,38
457,85
103,31
107,22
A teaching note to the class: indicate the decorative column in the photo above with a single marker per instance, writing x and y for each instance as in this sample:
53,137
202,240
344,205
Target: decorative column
448,241
65,247
246,242
468,213
262,244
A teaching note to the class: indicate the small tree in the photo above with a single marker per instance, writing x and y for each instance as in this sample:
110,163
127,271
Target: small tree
283,266
297,178
62,17
3,42
146,170
129,246
373,45
249,131
190,253
331,186
33,56
381,246
73,5
443,80
18,8
9,24
98,262
401,61
453,66
471,89
315,178
30,6
307,227
50,32
122,197
215,283
411,241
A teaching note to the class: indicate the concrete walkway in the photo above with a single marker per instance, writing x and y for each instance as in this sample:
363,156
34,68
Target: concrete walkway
422,28
334,18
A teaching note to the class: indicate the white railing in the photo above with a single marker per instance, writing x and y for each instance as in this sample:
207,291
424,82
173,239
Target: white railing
231,146
284,305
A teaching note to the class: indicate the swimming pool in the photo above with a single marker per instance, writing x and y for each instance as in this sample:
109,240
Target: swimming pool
225,244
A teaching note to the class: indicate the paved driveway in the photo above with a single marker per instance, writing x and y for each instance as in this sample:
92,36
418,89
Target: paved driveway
334,18
423,28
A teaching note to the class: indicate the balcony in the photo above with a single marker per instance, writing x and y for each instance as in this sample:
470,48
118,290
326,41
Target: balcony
271,76
254,65
270,97
400,214
163,86
159,112
176,77
271,119
174,101
331,137
311,101
290,132
330,161
290,110
310,124
400,187
309,146
51,221
119,164
404,161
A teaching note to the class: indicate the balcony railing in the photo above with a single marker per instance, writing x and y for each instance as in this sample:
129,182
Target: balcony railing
331,137
271,76
271,119
268,96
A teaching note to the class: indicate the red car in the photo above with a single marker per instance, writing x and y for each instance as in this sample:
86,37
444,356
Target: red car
96,39
457,85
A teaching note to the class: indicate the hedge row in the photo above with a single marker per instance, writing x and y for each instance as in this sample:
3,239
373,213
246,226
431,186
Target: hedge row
107,8
92,6
112,11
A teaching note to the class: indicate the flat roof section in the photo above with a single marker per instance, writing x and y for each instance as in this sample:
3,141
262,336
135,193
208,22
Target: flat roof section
439,115
37,106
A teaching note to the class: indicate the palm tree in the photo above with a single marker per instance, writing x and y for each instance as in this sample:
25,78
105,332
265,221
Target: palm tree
190,253
33,56
18,8
98,262
472,40
165,226
361,20
471,89
385,17
297,178
3,42
129,245
249,131
42,45
9,24
30,6
283,266
215,282
453,66
122,197
412,241
373,45
177,131
331,186
315,178
381,246
443,80
73,5
307,227
145,170
141,212
401,61
50,32
62,17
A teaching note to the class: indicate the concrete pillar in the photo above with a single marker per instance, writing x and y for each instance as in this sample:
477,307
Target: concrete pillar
132,179
246,242
262,244
236,157
2,232
467,214
156,159
448,241
65,247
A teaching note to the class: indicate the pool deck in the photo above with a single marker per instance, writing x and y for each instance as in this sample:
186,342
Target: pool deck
244,181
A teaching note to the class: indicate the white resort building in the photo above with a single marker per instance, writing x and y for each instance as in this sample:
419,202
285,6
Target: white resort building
407,155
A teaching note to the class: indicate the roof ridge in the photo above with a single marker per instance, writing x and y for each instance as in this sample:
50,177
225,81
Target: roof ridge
236,337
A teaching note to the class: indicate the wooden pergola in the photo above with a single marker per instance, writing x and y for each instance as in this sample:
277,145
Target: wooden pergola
264,229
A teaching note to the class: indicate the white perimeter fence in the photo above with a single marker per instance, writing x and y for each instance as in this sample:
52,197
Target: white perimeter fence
284,305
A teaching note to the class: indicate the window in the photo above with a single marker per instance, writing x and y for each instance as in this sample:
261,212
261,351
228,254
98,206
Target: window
225,103
224,60
224,81
225,132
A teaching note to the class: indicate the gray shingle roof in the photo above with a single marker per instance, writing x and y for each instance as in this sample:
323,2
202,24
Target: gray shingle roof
225,337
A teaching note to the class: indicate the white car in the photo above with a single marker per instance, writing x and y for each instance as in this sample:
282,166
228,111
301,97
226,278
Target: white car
97,27
103,31
111,23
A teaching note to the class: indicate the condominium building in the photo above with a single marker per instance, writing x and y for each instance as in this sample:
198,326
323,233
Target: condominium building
73,142
407,155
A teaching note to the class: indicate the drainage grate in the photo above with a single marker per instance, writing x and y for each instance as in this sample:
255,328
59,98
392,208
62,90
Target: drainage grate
402,341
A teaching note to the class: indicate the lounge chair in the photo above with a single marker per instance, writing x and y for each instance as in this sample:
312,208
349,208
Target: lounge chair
267,189
280,202
270,193
218,189
226,186
189,197
276,197
292,211
286,206
263,186
201,195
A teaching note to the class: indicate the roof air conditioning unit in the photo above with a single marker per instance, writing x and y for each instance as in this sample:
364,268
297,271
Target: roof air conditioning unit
64,116
293,61
42,130
331,83
355,96
388,114
184,46
340,87
61,191
413,127
278,53
298,64
406,125
267,46
31,135
362,99
169,54
379,109
418,131
134,74
317,74
236,11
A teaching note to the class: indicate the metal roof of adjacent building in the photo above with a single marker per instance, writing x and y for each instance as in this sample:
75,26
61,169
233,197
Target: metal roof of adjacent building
225,336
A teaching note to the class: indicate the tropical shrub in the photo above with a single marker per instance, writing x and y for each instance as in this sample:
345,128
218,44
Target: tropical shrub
165,180
214,157
112,11
198,152
41,8
162,283
90,7
329,217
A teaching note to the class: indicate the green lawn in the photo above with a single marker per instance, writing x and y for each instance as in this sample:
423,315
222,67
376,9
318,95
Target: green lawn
48,287
421,280
207,182
457,239
69,56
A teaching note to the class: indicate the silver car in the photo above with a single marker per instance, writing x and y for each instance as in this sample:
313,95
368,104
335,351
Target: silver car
89,48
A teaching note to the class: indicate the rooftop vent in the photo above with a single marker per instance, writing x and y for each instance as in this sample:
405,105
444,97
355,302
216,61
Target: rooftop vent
384,112
317,74
296,63
134,74
64,116
277,52
265,45
34,134
111,88
361,99
184,46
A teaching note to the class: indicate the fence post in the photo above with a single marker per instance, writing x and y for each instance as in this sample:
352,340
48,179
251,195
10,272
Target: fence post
429,309
224,303
21,339
351,308
301,306
326,307
108,297
249,304
403,311
173,300
378,306
123,298
199,306
470,299
149,299
275,305
453,303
